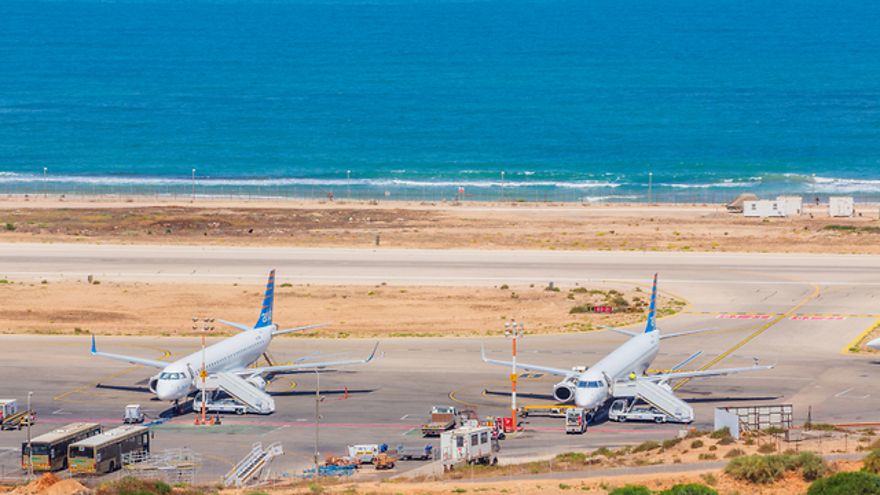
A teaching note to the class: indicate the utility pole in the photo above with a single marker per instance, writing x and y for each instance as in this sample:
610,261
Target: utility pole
650,187
30,419
513,330
348,182
193,193
206,324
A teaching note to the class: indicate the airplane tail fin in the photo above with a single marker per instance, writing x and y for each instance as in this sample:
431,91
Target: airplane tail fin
652,309
268,303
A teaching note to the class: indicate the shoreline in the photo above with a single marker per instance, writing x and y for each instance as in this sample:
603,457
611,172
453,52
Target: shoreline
432,225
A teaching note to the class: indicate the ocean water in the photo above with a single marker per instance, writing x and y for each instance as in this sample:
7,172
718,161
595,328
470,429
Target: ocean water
570,99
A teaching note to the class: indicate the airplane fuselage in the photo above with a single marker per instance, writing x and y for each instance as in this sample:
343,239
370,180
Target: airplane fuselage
178,379
633,357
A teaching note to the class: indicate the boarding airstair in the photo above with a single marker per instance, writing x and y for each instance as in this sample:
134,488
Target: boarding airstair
254,468
659,397
256,400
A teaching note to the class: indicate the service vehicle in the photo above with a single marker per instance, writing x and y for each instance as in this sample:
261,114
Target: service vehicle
48,452
222,405
133,414
468,445
18,420
545,411
366,453
443,418
384,461
102,453
621,411
405,453
8,407
576,420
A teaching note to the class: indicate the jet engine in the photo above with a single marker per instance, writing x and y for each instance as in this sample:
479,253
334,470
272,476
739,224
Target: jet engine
257,381
564,391
152,383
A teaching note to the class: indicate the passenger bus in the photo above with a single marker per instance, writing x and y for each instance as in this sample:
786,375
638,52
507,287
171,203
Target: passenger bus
103,453
49,450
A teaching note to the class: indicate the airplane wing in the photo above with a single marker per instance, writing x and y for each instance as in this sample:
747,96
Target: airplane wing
128,359
665,377
620,331
307,366
528,367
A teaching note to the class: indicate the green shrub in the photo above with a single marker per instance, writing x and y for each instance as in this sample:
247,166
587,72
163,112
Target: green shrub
689,489
726,441
697,444
10,227
857,483
696,434
871,463
134,486
720,433
672,442
766,448
812,466
754,469
734,453
574,457
645,446
631,490
707,457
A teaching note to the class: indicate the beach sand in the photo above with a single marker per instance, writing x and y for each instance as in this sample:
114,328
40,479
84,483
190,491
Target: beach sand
552,226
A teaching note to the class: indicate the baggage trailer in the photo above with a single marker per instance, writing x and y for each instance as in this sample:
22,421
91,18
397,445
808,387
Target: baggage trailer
405,453
13,418
443,418
472,445
547,411
576,421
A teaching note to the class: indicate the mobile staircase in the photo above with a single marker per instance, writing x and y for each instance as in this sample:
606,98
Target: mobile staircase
254,467
657,396
257,401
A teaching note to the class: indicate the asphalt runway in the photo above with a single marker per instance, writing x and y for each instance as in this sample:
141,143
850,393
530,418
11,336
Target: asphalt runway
799,313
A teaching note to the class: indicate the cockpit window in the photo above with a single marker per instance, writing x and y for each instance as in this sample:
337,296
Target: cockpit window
590,384
171,376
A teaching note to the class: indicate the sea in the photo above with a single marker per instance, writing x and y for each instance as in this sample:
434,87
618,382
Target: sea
546,100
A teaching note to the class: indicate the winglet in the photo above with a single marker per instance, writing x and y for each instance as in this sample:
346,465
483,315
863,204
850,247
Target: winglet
372,354
268,302
652,309
94,345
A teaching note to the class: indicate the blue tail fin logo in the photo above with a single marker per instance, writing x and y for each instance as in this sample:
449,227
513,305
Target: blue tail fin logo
268,303
652,309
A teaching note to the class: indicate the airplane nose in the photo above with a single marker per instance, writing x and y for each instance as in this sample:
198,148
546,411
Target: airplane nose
166,391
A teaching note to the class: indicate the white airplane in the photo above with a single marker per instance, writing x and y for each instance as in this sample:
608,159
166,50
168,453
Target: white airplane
592,388
177,380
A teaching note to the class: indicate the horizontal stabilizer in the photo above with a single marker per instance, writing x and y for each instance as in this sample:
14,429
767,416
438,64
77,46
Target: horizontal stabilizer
239,326
298,329
128,359
527,367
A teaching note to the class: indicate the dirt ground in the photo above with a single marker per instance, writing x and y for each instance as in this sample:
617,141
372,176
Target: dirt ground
111,308
427,225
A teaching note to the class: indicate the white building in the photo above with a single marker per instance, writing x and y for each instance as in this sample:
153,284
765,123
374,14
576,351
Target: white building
763,208
791,205
841,206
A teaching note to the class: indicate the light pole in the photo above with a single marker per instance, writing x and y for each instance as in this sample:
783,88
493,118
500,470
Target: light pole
650,187
348,182
30,419
193,196
206,324
502,185
317,419
45,182
513,330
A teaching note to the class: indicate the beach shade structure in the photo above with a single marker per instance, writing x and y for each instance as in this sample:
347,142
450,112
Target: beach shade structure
737,205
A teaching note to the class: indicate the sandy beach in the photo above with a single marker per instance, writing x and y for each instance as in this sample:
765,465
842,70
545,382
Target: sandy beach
550,226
